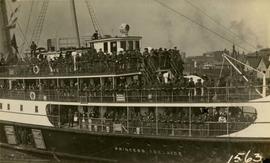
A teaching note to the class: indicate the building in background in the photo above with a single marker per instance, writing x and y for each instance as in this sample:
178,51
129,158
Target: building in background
259,60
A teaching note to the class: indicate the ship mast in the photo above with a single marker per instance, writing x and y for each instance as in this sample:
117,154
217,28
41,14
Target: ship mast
73,9
5,40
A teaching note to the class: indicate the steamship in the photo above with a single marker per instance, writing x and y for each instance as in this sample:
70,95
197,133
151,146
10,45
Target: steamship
47,111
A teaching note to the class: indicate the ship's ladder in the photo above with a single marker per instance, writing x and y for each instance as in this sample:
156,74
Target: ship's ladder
40,21
93,18
150,71
174,68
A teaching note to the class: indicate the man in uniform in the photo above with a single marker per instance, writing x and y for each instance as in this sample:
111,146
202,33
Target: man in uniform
70,118
95,35
191,86
33,48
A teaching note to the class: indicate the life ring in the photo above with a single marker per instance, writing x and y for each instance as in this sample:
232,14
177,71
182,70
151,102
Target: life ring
32,95
36,69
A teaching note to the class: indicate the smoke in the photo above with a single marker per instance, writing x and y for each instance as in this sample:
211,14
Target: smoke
167,26
246,34
205,36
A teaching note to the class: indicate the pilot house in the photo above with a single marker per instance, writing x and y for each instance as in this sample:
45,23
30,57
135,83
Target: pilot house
118,43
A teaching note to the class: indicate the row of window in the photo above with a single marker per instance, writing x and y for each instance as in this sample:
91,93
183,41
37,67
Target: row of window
21,107
126,45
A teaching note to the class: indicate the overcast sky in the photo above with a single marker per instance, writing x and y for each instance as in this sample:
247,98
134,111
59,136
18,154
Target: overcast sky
249,20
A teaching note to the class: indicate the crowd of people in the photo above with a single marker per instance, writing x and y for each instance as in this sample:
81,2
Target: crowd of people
91,61
132,88
167,119
151,62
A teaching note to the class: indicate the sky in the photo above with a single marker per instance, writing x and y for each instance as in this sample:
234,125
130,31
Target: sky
245,23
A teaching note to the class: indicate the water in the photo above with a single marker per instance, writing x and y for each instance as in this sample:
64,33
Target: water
10,156
13,156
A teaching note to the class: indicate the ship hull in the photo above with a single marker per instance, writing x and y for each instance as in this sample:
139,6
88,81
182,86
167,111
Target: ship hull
59,142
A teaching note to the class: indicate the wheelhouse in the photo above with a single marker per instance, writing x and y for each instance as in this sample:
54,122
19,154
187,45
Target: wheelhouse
116,44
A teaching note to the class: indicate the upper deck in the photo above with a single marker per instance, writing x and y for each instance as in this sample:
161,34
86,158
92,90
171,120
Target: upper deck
88,75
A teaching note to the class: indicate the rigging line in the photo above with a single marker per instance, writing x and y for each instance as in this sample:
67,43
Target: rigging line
20,28
215,21
93,17
202,26
98,24
89,11
24,37
221,70
27,25
40,22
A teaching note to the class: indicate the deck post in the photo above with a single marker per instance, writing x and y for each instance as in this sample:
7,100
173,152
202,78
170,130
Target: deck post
39,90
156,113
208,95
126,95
78,89
208,128
59,117
113,94
227,120
24,90
128,119
101,86
57,87
172,96
189,130
228,95
156,95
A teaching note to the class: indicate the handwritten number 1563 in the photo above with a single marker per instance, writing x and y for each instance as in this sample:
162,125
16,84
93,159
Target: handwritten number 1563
243,157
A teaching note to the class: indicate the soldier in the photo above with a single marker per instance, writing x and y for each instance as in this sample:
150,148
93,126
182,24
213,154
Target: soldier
78,62
198,86
95,35
121,60
146,52
70,118
191,86
2,63
33,48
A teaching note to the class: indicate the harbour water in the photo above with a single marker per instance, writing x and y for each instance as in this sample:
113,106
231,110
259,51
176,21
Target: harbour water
14,156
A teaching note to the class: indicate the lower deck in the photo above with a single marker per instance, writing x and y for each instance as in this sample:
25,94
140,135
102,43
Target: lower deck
158,121
58,142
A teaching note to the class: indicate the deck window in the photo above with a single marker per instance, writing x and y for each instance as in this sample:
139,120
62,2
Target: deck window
8,106
36,109
113,47
0,106
123,45
137,45
130,45
105,47
21,107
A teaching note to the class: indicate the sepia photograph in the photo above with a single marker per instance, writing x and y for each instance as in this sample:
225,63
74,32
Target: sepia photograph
134,81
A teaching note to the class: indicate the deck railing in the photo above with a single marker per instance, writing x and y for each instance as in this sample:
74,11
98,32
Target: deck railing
65,69
174,95
184,128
